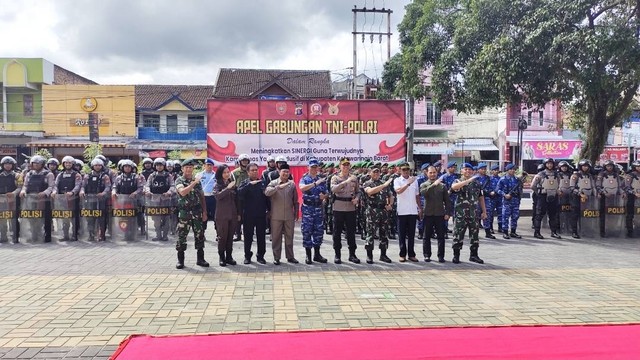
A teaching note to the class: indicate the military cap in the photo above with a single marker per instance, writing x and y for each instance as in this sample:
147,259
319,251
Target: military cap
189,162
404,165
345,160
424,166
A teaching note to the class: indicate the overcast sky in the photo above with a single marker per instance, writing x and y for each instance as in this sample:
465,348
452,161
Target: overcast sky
188,41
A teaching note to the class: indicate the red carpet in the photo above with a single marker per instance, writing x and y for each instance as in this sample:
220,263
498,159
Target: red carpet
516,342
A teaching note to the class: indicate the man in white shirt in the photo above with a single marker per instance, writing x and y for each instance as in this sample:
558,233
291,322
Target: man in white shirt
408,198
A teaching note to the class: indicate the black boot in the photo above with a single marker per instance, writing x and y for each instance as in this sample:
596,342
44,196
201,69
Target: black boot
229,259
505,234
383,256
337,258
369,256
575,235
555,235
488,235
317,257
629,233
308,260
201,261
180,263
537,235
352,256
515,235
456,256
474,257
222,261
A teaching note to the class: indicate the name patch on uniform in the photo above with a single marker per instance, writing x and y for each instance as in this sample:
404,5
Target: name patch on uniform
91,213
565,208
614,210
31,214
123,212
61,214
6,214
157,210
590,213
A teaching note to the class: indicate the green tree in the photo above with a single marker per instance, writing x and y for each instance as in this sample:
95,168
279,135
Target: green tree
488,53
45,153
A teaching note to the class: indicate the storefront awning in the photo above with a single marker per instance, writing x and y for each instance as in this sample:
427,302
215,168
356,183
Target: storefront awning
166,145
76,143
475,145
432,149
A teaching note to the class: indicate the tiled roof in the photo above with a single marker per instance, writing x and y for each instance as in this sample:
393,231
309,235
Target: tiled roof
62,76
249,83
152,97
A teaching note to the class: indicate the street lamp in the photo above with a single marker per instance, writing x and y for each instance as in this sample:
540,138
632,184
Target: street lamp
522,126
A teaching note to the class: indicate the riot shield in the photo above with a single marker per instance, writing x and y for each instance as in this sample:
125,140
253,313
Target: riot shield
158,213
636,215
124,217
32,216
564,213
8,218
614,219
93,217
64,212
589,223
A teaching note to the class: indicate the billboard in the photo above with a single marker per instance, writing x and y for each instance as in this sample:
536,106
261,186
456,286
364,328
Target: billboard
559,149
298,130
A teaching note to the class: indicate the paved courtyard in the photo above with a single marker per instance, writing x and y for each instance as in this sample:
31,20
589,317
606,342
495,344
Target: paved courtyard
80,300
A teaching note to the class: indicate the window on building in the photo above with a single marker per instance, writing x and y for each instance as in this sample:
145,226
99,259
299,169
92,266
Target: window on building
434,116
529,118
172,124
541,117
27,101
196,121
151,120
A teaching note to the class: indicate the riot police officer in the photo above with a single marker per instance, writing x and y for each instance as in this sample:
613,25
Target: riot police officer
9,188
564,194
40,181
583,186
632,187
547,184
52,165
160,182
609,184
534,198
128,183
68,183
147,168
78,166
97,183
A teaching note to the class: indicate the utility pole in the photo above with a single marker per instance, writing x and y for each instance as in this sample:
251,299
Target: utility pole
355,32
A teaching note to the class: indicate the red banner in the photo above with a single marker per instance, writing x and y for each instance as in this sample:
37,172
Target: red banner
616,153
298,130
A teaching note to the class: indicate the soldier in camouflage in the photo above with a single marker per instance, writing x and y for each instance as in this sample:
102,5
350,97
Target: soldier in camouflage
192,211
468,195
379,200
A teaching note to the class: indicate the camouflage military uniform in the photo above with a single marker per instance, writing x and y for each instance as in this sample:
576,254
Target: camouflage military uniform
465,214
189,215
377,216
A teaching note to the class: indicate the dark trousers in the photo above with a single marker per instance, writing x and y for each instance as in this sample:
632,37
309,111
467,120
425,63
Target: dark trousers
432,223
630,212
259,224
546,207
48,220
211,210
407,234
342,220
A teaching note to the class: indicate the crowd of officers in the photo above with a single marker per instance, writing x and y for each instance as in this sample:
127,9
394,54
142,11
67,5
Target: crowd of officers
374,200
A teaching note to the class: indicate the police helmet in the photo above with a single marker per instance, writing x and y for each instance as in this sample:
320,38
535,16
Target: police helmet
170,163
563,163
243,157
147,160
159,161
53,161
635,163
281,159
549,160
609,162
37,159
8,160
126,162
68,159
584,162
97,161
270,158
103,158
79,162
540,167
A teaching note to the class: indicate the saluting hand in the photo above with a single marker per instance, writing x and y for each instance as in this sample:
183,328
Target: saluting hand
231,185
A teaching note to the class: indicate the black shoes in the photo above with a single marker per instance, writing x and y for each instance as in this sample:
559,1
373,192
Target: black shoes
293,261
317,257
427,259
384,257
441,259
230,261
555,235
354,259
575,235
201,261
488,235
515,236
369,256
261,261
180,263
476,259
307,259
456,259
537,235
276,262
247,261
337,260
506,236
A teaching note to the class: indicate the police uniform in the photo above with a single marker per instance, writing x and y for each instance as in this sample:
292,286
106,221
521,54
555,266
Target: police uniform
70,181
9,190
312,213
40,182
512,186
465,215
547,184
493,201
191,207
609,184
583,187
378,206
160,182
132,185
345,189
96,183
632,188
485,185
208,181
